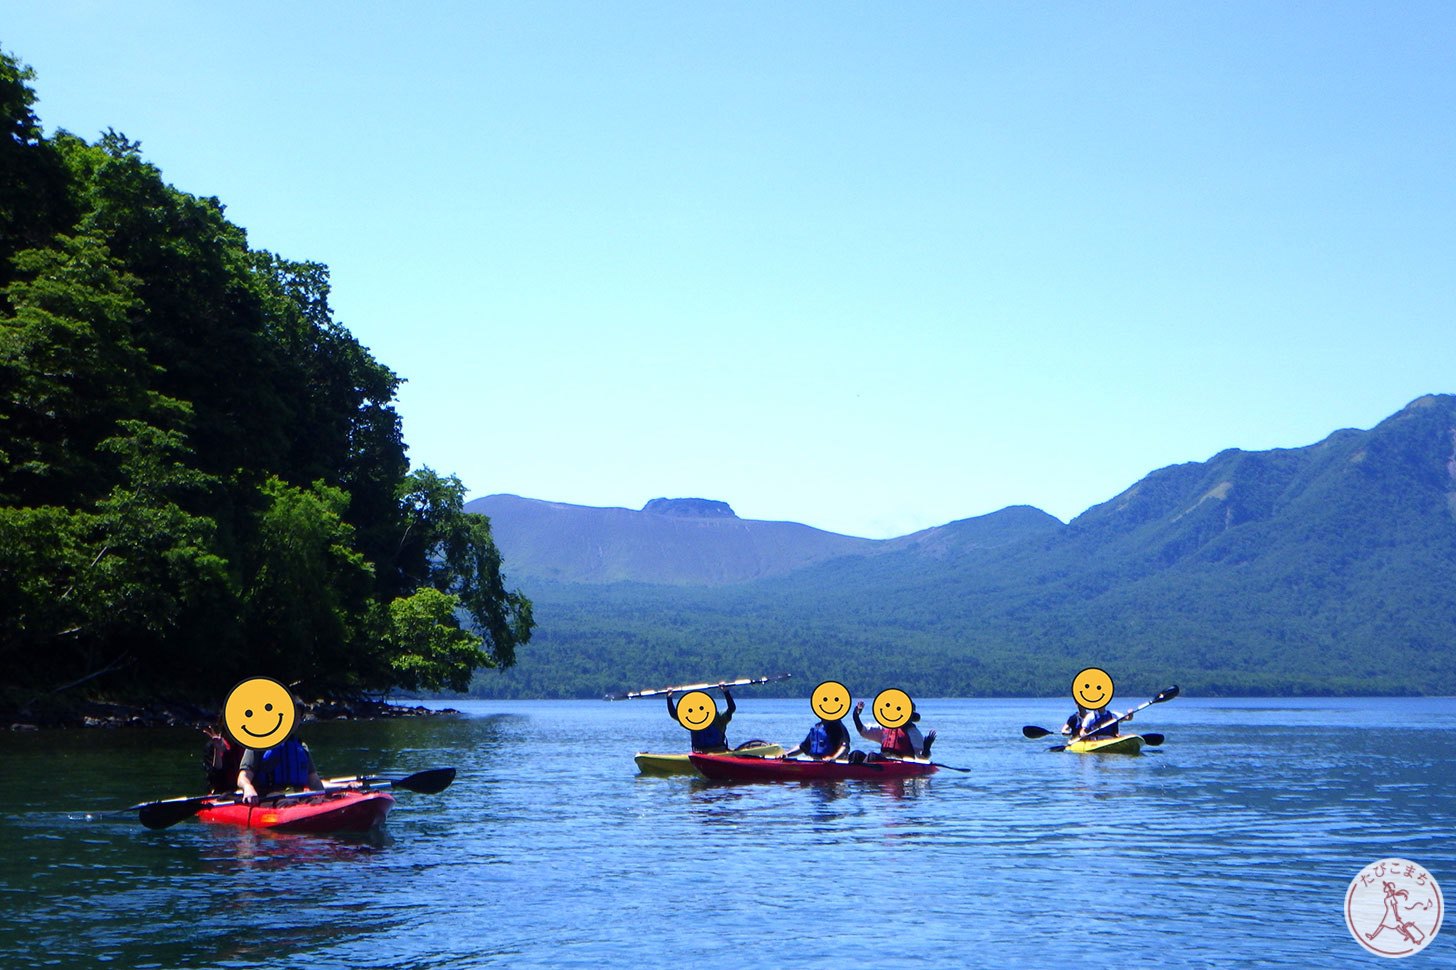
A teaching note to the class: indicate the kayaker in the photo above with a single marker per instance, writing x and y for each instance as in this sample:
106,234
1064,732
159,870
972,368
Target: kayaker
1092,691
828,740
268,771
906,742
714,735
1087,723
221,759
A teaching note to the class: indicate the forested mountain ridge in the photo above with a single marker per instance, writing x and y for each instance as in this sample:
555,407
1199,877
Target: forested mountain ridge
1323,569
202,473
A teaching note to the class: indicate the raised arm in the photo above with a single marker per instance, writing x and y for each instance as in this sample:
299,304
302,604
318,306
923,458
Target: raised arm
869,734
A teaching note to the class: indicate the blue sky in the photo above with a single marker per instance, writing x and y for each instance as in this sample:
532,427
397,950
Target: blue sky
868,266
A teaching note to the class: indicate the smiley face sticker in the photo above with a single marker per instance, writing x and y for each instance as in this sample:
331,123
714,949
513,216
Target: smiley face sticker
1092,688
893,708
259,713
696,710
830,700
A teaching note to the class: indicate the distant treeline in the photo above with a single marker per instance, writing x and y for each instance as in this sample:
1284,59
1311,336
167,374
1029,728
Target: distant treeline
202,475
594,641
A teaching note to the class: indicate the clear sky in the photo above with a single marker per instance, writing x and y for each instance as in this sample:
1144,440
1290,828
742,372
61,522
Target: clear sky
869,266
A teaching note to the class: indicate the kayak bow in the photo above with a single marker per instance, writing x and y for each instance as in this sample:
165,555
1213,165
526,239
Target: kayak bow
1123,744
650,763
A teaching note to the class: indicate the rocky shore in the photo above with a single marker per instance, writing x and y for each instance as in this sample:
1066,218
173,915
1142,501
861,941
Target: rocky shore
46,713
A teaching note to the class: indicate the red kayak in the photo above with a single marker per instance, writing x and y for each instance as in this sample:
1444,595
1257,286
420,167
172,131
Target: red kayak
343,811
727,767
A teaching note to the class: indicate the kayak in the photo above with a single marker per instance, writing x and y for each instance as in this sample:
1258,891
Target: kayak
730,767
1123,744
678,764
344,811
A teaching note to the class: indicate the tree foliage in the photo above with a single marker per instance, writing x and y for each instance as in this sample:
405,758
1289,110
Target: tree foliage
202,474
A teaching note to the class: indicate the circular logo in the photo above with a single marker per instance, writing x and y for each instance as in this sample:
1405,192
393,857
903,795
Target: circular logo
259,713
1394,908
893,708
1092,688
830,700
696,710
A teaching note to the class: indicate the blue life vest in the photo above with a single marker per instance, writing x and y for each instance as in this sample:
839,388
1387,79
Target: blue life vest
819,743
284,765
710,737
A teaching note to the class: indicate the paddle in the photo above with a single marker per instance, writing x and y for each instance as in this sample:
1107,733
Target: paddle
1034,732
878,767
917,761
429,782
740,682
163,814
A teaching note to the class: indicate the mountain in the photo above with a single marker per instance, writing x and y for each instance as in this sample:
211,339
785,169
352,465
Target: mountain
701,542
1324,569
680,542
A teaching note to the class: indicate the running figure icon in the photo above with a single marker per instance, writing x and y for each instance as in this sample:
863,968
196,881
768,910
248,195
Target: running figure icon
1392,921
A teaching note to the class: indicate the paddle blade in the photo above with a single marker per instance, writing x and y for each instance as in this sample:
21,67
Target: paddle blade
161,815
1152,740
430,782
1034,732
1166,695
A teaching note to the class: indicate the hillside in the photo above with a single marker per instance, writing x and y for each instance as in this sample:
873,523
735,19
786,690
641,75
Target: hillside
1322,569
701,542
682,542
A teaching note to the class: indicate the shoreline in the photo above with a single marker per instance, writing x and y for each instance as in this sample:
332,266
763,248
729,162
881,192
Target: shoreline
94,713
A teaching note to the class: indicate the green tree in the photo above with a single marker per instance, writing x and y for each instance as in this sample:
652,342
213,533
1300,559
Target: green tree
33,203
427,648
154,561
201,470
69,370
451,550
306,602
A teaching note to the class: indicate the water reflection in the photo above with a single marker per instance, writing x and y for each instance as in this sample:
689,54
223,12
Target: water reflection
262,850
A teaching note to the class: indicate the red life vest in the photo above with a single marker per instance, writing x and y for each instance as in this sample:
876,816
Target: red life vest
896,742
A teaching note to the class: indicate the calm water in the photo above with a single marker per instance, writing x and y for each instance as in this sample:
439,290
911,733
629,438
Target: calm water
1230,846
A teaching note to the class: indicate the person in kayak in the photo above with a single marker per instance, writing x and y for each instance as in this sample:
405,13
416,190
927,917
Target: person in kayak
1086,724
906,742
221,759
828,740
1092,690
711,736
268,771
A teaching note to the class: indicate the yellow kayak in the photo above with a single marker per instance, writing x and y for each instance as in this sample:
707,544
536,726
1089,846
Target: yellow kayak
678,764
1123,744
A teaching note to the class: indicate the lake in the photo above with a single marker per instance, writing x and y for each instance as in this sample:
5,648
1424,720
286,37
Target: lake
1232,845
